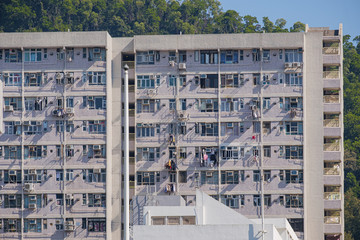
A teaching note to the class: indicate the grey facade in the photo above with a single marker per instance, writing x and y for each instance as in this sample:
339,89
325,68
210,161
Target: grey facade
226,110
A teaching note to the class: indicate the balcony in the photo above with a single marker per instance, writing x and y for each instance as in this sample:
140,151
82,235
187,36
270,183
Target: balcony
331,74
332,171
331,147
331,123
131,64
332,196
332,219
331,99
331,50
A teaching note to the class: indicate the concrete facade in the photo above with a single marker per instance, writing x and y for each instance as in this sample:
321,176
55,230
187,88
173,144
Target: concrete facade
225,111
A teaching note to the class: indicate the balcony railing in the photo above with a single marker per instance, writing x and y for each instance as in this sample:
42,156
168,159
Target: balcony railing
331,123
332,219
331,99
131,64
332,196
331,50
332,171
331,147
331,74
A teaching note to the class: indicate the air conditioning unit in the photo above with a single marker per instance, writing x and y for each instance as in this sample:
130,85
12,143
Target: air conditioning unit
209,174
288,65
6,74
294,172
182,66
97,170
70,110
229,76
9,108
172,63
97,50
32,205
146,174
28,187
69,196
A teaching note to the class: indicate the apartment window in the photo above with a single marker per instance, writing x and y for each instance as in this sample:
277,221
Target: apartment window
147,105
12,201
12,152
33,79
241,55
32,225
145,81
97,54
266,128
256,176
96,78
266,55
84,52
266,103
293,152
35,103
15,102
59,126
172,152
182,56
229,80
147,178
256,200
96,225
143,58
12,79
12,225
293,102
32,201
97,175
183,152
267,151
294,201
95,102
172,177
59,224
70,126
207,129
209,177
182,80
293,55
145,130
148,154
293,79
34,152
267,175
229,177
208,81
97,126
12,128
229,56
172,80
297,224
256,127
232,104
293,128
13,55
60,54
59,175
209,56
241,127
12,176
97,200
32,127
182,177
33,176
172,104
256,54
208,105
96,151
229,129
183,104
69,174
294,176
233,201
280,54
256,79
267,200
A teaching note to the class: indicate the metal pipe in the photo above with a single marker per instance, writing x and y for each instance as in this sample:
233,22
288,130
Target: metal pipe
126,155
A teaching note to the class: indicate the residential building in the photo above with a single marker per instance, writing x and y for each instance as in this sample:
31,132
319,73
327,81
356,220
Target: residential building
216,112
